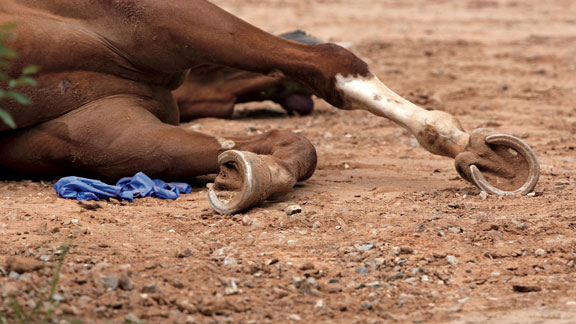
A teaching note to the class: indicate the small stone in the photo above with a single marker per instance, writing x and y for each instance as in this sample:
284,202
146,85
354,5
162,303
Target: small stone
525,289
292,210
307,266
483,195
540,252
362,270
396,276
13,275
455,230
463,300
125,283
22,264
365,247
3,272
316,225
452,260
149,289
294,317
522,226
131,319
230,261
184,254
246,220
366,305
106,282
9,290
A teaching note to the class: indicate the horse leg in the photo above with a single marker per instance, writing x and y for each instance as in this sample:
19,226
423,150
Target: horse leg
123,137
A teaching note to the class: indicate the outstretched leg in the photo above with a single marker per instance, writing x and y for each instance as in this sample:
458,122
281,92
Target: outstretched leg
122,137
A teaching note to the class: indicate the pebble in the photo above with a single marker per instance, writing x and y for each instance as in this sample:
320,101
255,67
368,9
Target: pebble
316,225
483,195
452,260
540,252
125,283
230,261
366,305
246,220
9,290
294,317
21,264
107,282
362,270
184,254
292,210
3,272
365,247
131,319
149,289
396,276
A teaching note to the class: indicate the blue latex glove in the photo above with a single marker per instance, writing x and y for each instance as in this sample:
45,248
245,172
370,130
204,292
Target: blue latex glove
138,186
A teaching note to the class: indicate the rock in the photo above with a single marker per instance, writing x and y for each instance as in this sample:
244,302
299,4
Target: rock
14,275
230,261
3,272
396,276
125,283
280,293
365,247
184,254
9,290
216,306
176,283
316,225
335,289
22,264
362,270
294,317
230,286
452,260
246,220
149,289
540,252
131,319
307,266
185,306
366,305
483,195
106,282
292,210
526,289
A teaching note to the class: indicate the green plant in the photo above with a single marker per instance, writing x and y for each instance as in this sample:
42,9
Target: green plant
44,309
8,83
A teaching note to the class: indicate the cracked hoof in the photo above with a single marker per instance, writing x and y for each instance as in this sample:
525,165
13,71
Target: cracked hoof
243,182
499,164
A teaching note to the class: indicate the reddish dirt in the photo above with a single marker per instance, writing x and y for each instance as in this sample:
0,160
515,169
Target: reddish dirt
387,233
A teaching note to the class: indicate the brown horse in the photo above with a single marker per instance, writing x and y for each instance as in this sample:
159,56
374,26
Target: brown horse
105,105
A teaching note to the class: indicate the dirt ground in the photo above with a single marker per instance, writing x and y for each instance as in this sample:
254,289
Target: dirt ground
387,233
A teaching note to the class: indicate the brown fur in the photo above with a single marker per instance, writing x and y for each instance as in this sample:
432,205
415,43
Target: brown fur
104,105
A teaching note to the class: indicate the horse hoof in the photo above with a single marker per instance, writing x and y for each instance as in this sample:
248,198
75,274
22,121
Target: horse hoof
519,155
243,182
297,103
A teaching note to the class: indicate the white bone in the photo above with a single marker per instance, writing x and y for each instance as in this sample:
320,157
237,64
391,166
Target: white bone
438,132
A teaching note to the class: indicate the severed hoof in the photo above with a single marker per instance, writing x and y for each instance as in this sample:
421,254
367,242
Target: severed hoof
499,164
244,181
